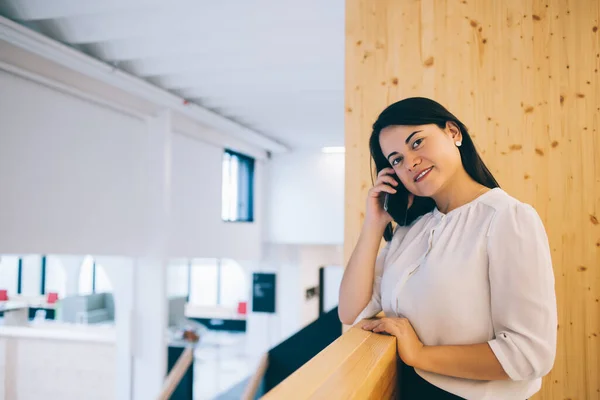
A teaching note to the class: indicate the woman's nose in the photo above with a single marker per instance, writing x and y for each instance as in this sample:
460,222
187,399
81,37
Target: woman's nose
412,165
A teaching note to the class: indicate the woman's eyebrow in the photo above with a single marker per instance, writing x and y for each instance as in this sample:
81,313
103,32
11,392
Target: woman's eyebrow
411,135
406,141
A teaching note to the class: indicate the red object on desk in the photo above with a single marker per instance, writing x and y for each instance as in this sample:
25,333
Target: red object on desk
52,298
3,295
242,307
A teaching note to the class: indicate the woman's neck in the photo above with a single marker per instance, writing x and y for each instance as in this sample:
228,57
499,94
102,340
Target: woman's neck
460,191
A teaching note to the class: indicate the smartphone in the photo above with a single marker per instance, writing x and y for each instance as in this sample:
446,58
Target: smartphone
397,204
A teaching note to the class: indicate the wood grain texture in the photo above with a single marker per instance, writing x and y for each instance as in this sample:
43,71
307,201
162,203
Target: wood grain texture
358,365
523,75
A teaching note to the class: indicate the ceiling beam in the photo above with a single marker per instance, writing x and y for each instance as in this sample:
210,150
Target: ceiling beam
32,10
206,90
306,99
197,19
37,44
231,49
200,63
287,79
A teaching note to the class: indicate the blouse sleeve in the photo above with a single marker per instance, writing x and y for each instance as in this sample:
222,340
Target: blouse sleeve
374,307
523,300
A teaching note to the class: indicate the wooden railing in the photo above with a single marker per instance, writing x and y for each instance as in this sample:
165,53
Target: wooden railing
358,365
177,372
256,379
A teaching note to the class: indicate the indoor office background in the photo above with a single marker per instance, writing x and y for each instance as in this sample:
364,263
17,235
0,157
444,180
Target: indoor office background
203,166
206,282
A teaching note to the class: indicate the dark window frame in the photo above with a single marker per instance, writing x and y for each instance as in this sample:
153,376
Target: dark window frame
249,163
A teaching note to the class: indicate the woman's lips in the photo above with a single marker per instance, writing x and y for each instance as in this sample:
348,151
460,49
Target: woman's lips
423,174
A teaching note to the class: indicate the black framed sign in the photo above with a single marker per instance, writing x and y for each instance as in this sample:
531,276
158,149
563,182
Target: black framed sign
263,292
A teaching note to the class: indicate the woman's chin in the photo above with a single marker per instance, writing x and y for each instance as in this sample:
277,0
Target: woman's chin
425,189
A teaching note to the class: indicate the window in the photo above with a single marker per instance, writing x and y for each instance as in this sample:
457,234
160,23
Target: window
232,285
177,278
93,278
217,283
31,278
102,283
203,288
9,274
56,277
238,187
86,276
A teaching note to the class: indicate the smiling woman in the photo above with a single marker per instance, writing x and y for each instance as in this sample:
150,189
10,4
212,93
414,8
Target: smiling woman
410,136
466,280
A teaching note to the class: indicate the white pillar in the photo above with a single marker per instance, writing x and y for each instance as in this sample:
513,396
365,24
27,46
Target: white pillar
120,271
265,331
72,266
150,289
150,319
259,326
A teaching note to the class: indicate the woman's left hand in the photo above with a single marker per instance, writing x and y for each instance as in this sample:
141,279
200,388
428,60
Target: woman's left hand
409,345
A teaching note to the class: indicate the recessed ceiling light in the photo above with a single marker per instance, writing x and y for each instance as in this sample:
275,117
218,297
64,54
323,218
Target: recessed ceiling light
334,150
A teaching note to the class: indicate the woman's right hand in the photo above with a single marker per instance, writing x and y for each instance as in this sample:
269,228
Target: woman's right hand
384,184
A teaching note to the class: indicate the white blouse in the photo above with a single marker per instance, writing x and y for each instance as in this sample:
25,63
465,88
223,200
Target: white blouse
481,273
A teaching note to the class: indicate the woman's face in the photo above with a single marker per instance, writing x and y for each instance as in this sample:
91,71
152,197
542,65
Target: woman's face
424,157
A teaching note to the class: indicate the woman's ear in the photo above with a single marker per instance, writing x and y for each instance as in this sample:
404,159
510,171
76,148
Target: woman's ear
453,131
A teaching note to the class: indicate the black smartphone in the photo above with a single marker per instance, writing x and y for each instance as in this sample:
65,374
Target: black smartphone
397,204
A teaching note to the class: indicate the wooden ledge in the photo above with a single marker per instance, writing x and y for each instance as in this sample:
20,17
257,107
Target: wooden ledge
358,365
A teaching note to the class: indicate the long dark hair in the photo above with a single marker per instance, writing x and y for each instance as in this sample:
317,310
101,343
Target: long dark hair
423,111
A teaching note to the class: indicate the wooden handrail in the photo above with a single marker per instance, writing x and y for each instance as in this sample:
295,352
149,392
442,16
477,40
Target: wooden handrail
358,365
252,387
177,372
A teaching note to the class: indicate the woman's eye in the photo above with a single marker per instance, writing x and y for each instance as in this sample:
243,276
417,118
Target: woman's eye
396,161
416,143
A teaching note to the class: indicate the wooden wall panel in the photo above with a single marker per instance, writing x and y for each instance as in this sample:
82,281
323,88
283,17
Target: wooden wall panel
523,76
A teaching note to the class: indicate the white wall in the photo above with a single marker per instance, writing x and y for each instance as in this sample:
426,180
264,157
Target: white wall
33,368
75,180
306,198
333,275
72,173
312,258
297,269
304,231
196,200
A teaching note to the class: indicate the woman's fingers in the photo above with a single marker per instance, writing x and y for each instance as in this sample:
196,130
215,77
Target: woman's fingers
387,179
375,190
387,175
371,323
385,171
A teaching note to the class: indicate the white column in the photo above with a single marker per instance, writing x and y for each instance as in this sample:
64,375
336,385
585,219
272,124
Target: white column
259,329
120,271
150,319
72,266
265,331
150,289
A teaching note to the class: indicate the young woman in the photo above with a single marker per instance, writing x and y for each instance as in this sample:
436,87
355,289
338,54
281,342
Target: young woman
465,280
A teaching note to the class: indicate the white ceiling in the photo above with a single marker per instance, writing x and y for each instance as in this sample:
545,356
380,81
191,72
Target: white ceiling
276,67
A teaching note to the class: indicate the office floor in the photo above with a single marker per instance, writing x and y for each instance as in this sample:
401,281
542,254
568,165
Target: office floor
220,363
